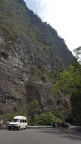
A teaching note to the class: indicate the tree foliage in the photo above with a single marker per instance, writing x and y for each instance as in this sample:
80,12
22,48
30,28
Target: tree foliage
59,115
45,119
69,82
76,106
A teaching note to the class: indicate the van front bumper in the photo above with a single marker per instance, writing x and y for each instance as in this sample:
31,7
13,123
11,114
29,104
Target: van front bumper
13,127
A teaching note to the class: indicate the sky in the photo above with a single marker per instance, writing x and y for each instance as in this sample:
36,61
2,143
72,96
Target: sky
63,15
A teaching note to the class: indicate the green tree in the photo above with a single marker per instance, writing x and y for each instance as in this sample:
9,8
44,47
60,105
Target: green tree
59,115
68,80
46,119
76,106
69,83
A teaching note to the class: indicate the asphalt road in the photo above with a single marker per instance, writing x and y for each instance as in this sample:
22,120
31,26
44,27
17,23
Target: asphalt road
39,136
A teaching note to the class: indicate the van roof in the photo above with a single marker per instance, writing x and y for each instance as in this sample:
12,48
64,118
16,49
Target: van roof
19,117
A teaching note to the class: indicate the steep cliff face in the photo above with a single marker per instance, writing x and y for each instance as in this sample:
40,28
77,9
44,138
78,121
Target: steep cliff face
31,53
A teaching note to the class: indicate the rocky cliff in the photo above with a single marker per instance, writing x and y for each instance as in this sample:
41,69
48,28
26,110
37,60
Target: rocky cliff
31,53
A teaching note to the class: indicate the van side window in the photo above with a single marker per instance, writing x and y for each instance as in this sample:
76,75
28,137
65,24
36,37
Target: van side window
21,121
25,121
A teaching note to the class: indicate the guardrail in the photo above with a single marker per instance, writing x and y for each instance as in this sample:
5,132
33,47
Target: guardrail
31,127
72,127
39,127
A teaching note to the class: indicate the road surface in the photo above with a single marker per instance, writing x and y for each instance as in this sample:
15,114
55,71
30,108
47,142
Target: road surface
39,136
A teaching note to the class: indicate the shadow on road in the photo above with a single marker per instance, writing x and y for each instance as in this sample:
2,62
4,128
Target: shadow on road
75,135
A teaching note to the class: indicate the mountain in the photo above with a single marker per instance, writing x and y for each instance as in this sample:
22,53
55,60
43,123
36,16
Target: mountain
31,54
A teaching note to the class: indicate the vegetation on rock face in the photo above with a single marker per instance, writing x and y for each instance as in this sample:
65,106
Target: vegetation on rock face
33,108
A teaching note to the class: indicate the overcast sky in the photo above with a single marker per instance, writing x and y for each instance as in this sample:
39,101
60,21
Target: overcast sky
62,15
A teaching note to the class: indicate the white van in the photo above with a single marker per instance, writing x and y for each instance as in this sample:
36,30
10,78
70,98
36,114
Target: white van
18,122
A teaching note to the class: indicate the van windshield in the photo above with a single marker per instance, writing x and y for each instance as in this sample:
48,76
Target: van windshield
15,120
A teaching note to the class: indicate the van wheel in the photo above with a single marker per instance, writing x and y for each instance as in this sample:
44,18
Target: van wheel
25,128
9,128
19,128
